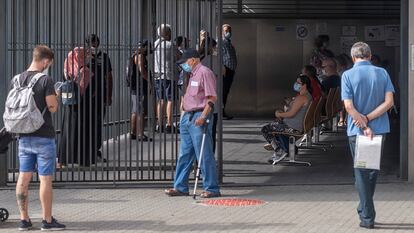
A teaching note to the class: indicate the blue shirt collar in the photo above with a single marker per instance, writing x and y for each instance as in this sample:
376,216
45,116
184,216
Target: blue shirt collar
362,63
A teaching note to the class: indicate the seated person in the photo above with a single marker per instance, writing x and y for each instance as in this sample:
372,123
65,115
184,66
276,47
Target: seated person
332,79
310,71
290,121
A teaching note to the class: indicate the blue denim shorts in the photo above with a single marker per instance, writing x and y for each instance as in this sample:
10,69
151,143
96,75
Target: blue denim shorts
37,152
164,89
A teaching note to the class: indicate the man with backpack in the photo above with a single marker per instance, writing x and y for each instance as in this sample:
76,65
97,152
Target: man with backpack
28,110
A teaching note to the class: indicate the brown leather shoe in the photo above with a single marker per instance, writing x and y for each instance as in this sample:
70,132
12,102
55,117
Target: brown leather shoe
206,194
175,193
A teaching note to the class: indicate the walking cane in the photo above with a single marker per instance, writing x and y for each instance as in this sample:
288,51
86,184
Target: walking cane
202,149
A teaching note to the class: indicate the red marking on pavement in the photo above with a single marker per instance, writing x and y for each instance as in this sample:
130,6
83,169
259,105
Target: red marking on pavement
232,202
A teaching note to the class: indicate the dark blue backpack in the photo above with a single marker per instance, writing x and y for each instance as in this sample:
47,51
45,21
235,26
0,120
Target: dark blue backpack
69,92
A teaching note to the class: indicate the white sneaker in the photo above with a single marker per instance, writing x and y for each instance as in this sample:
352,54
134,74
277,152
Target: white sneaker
278,156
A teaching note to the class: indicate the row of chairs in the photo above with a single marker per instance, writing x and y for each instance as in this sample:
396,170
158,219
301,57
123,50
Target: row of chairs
331,105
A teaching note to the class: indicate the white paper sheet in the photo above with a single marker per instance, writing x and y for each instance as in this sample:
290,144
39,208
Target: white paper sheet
368,152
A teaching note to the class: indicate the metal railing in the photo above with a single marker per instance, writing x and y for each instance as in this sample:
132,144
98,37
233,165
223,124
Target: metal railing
97,145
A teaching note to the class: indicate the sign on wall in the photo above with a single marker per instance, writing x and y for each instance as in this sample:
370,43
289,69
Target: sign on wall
302,32
347,42
349,30
374,33
392,35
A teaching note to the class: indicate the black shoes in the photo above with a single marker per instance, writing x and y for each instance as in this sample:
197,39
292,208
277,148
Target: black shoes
227,117
25,225
171,129
367,226
143,138
52,226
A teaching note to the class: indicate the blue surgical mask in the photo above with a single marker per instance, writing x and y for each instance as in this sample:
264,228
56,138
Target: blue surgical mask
186,67
227,35
297,87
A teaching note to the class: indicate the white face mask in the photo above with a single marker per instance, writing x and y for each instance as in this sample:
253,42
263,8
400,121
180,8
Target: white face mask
94,50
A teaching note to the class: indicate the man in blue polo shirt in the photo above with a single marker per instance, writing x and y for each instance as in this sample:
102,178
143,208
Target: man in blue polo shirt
368,94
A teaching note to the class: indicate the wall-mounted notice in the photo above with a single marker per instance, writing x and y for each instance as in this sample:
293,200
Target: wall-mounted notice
349,30
347,42
302,32
392,35
374,33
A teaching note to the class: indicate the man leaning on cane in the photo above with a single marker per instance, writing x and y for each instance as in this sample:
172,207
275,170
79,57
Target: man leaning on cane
201,90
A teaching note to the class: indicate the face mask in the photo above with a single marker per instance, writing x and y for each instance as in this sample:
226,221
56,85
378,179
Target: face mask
297,87
227,35
94,50
186,67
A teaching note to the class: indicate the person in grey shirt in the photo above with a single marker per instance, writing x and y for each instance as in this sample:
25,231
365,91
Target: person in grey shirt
165,55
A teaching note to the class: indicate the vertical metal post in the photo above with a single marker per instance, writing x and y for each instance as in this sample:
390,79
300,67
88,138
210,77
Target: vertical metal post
3,82
404,100
220,91
409,68
239,6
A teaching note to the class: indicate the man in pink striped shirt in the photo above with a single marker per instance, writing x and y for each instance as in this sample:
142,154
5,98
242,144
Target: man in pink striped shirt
201,90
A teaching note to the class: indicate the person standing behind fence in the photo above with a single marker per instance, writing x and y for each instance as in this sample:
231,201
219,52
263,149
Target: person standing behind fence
139,78
37,150
368,94
164,69
200,93
230,65
101,87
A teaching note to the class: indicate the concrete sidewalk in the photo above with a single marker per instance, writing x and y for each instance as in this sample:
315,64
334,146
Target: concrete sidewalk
303,208
320,198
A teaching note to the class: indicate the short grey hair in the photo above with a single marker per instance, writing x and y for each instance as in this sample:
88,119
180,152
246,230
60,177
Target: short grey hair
361,50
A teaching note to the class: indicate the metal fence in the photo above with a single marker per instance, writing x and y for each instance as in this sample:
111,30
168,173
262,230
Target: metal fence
94,136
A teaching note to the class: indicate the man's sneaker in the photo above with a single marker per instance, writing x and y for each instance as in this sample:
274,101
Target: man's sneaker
25,225
159,129
53,226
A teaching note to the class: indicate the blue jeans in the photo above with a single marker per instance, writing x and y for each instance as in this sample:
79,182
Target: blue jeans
38,151
365,182
190,146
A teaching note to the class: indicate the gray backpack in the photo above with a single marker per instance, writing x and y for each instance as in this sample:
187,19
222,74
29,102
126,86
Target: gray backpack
21,115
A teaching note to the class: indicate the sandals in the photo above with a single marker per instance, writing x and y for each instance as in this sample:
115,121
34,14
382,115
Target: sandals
341,124
206,194
268,147
144,138
175,193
